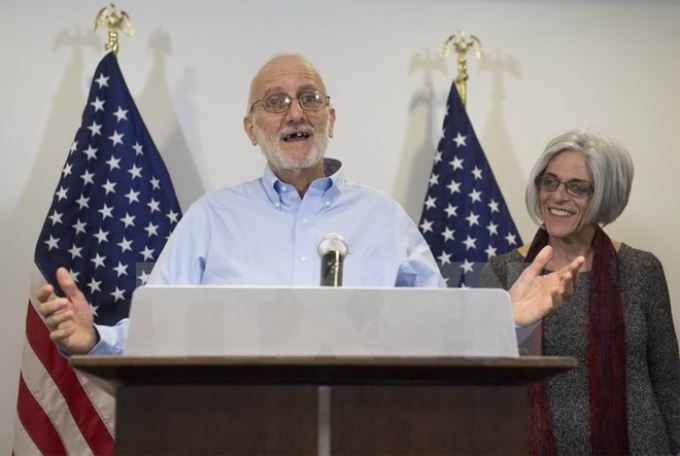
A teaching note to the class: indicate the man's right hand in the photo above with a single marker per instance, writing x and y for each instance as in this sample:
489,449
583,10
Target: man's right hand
69,319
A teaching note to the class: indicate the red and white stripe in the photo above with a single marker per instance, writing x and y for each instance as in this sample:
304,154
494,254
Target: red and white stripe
59,411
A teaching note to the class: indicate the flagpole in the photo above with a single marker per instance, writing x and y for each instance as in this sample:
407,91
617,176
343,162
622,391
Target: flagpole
114,22
462,45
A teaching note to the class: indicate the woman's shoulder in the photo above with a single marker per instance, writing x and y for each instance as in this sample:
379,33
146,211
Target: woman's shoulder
632,256
502,261
513,256
502,270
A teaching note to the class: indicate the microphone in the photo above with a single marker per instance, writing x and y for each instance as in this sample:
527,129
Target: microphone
332,250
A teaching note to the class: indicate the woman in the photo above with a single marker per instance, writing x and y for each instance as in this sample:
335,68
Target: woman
624,396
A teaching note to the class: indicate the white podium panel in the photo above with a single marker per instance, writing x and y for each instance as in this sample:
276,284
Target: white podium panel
320,321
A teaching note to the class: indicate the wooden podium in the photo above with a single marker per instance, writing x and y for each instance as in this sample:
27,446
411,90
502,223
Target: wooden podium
274,406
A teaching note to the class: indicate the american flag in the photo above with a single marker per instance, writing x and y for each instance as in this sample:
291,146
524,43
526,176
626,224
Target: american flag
111,214
465,219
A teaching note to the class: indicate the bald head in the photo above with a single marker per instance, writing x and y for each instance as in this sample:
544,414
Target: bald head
279,67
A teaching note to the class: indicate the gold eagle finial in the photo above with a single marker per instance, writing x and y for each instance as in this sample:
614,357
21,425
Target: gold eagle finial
462,45
114,22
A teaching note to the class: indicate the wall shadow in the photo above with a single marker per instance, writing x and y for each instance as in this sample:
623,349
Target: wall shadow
164,125
418,152
497,140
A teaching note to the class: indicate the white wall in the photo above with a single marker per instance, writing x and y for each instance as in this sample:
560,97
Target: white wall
551,66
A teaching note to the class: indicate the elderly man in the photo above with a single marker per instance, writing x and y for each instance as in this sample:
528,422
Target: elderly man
266,231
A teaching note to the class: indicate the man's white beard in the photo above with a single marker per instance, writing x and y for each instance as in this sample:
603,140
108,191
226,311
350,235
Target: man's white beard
279,160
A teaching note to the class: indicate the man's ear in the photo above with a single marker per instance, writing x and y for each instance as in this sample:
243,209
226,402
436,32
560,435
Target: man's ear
249,128
331,119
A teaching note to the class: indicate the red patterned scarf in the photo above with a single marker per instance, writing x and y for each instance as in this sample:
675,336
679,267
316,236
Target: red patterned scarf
606,360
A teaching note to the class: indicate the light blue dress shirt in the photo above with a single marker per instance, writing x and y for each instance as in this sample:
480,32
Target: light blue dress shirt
263,233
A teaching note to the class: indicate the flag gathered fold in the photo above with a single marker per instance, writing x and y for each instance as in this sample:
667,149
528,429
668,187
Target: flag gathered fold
111,214
465,219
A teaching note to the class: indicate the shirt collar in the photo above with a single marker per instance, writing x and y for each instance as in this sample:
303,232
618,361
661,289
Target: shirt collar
332,183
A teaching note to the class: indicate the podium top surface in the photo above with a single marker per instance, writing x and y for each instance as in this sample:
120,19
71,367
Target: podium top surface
190,321
131,370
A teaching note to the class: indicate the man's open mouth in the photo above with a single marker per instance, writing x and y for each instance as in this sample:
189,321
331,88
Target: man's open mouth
297,136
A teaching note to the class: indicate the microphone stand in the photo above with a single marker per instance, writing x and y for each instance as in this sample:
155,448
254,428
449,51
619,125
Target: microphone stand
331,269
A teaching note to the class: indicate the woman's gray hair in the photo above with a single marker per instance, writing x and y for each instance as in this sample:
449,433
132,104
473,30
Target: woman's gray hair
608,161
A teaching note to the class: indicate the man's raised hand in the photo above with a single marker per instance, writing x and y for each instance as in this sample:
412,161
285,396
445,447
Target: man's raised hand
69,319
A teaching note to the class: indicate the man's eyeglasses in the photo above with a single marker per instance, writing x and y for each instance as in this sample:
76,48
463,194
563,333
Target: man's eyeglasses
575,187
280,102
